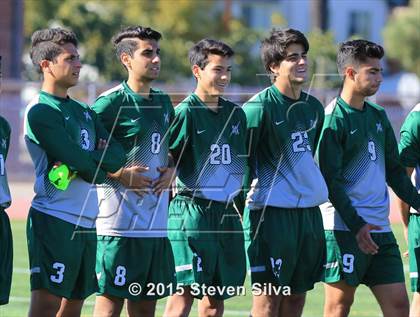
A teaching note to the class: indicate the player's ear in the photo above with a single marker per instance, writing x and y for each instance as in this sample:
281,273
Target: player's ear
350,72
196,70
274,67
45,66
126,60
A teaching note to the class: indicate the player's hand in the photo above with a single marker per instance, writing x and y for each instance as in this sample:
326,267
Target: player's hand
101,144
132,178
364,239
58,163
167,176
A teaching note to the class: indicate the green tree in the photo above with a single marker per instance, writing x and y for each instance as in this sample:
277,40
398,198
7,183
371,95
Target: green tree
322,59
402,36
181,22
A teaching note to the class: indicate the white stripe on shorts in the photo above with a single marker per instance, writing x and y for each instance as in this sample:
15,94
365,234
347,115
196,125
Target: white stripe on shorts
414,274
185,267
260,268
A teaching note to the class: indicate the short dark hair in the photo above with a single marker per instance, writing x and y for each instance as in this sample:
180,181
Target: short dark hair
357,51
199,53
123,41
46,44
273,48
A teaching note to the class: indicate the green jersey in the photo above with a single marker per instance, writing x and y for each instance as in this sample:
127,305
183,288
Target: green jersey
5,198
409,146
209,148
141,126
282,137
65,130
358,156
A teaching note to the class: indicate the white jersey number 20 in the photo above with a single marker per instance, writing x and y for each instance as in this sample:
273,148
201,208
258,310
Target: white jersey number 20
220,154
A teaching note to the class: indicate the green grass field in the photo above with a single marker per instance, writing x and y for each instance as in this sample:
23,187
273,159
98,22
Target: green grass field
365,304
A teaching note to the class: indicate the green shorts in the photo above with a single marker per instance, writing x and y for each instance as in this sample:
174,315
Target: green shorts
61,256
414,251
135,268
286,247
345,261
6,257
208,244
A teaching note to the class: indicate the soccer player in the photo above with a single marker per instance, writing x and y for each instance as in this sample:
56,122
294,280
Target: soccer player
358,157
132,236
284,234
409,148
208,145
61,223
6,242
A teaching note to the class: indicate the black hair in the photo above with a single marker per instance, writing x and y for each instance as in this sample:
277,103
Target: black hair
199,53
273,48
46,44
123,41
356,52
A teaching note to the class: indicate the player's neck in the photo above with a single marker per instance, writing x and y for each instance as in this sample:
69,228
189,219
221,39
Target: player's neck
139,87
52,88
212,102
352,98
288,89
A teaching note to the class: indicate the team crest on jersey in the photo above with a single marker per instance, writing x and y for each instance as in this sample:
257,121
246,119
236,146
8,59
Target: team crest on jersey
235,129
84,139
379,127
87,116
4,143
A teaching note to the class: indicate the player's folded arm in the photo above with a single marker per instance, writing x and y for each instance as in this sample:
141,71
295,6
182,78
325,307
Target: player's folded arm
396,175
47,128
330,157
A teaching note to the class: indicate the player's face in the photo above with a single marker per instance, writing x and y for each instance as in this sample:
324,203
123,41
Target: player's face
215,76
294,67
368,77
145,63
65,68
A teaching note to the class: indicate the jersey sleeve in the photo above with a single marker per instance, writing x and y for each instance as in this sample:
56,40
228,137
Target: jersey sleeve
396,175
5,133
330,158
319,123
180,131
254,112
409,146
47,130
112,158
107,111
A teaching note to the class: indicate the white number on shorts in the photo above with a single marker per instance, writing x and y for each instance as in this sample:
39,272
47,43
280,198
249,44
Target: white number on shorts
1,164
276,266
372,150
155,148
199,267
60,267
348,263
120,272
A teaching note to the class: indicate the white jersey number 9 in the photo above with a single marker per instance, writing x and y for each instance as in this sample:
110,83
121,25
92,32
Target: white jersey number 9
372,150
